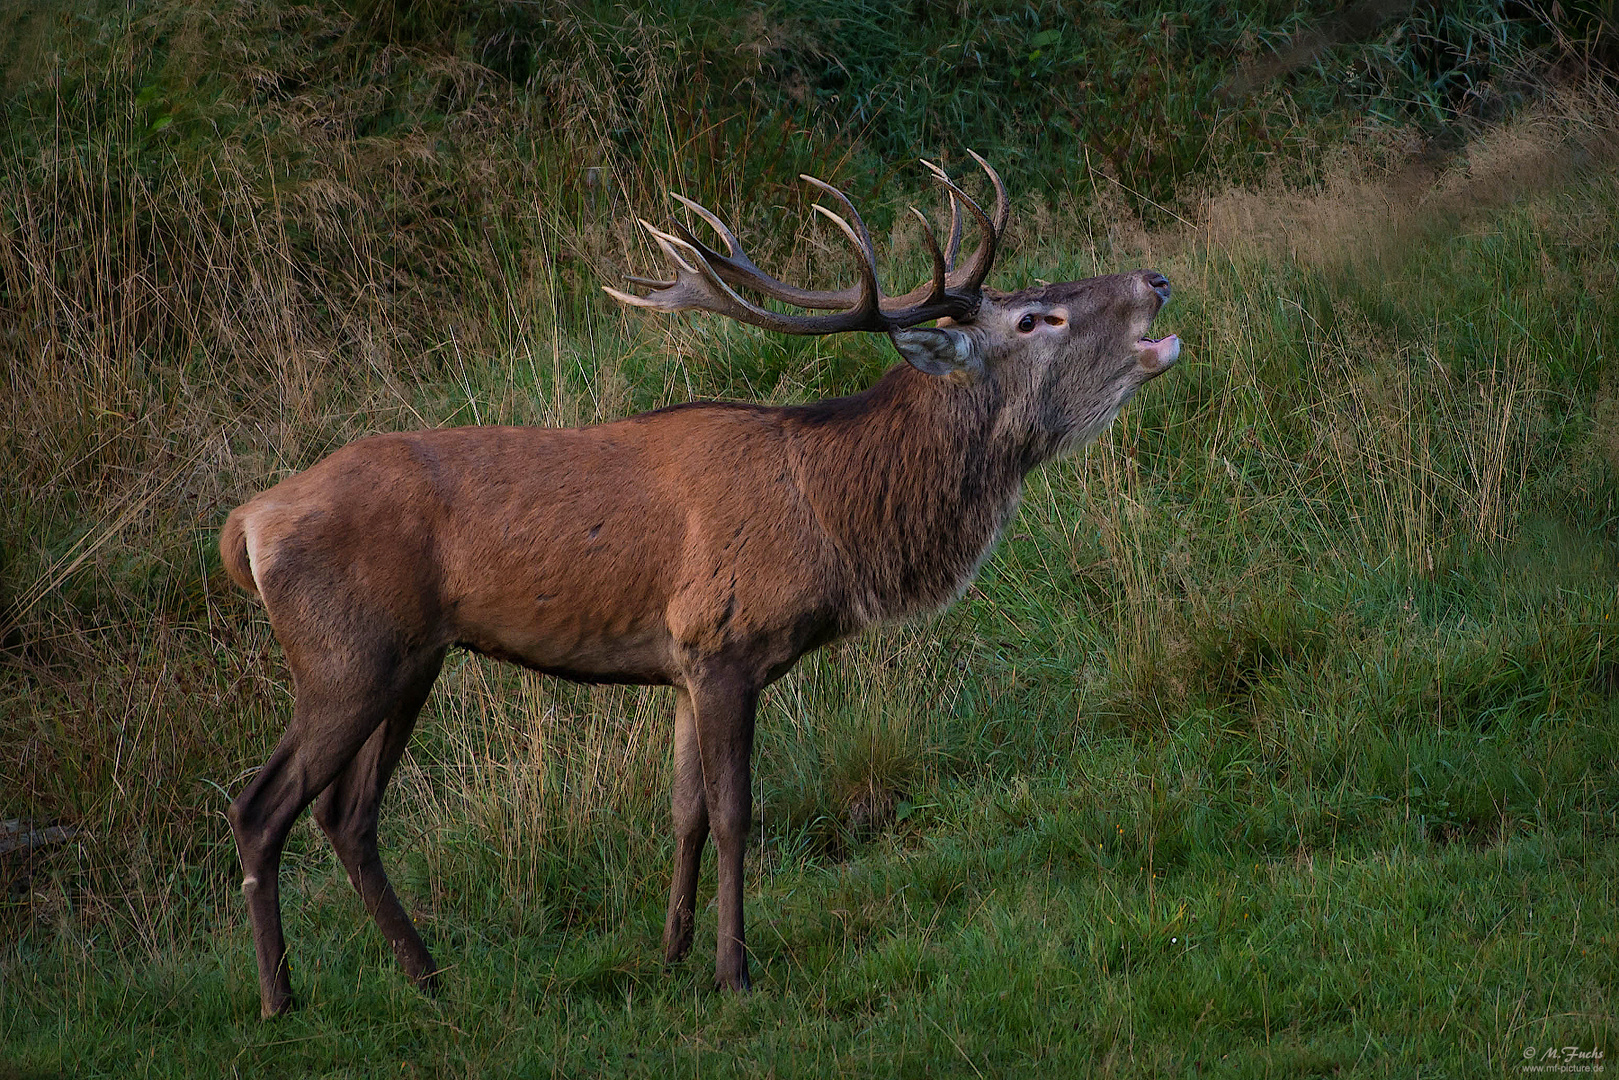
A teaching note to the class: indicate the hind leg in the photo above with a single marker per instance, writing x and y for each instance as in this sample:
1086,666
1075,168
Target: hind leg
334,714
347,812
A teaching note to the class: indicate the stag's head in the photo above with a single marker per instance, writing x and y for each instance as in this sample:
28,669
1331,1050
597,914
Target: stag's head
1061,359
1064,357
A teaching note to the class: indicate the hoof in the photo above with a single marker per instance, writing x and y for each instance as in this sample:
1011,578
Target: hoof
677,935
736,984
271,1010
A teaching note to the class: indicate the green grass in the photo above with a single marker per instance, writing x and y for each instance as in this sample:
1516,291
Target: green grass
1010,940
1278,738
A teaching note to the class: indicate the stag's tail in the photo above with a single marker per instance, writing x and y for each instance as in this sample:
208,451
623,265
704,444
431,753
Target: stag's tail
233,552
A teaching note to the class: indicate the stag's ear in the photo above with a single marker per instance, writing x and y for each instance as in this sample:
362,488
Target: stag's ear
941,351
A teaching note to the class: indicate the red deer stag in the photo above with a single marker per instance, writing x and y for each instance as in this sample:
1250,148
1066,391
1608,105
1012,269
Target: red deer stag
705,546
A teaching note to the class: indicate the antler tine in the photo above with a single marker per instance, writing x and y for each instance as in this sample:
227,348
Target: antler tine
940,265
954,247
734,259
870,290
984,257
670,246
732,244
969,277
863,239
1003,204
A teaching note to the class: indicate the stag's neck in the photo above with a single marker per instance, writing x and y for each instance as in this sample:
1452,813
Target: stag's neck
913,480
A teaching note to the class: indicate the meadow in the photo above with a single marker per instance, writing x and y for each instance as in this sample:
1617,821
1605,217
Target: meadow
1278,738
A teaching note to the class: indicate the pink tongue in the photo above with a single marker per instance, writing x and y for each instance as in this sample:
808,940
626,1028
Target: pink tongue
1159,353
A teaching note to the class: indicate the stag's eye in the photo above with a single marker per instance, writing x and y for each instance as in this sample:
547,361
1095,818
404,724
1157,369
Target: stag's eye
1026,323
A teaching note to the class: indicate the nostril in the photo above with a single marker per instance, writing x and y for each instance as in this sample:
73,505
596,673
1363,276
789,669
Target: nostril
1159,284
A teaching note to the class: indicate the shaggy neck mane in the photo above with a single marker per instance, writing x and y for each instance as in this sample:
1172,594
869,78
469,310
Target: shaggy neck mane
910,483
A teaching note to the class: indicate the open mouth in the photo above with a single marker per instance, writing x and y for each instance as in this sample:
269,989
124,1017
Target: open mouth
1157,354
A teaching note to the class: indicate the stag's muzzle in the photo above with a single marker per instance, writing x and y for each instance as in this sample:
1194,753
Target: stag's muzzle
1157,354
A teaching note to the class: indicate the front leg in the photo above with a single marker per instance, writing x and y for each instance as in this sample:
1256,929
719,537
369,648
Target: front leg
724,725
689,804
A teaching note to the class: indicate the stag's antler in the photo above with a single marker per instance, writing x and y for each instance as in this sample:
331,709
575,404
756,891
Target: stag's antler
703,276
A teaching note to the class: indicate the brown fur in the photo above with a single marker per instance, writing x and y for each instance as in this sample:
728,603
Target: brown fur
706,546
